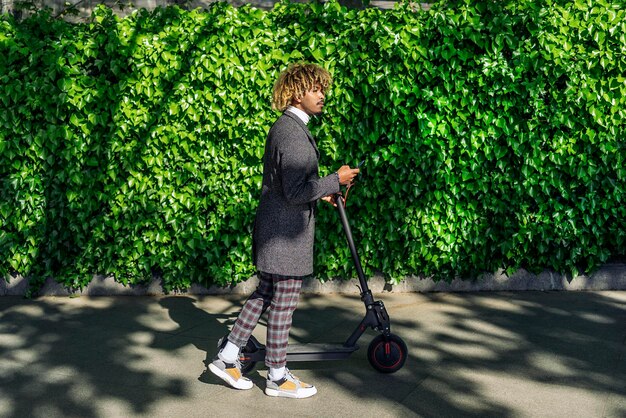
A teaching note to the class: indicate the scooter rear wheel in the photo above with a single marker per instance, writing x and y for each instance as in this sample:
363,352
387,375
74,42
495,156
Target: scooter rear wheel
387,354
247,365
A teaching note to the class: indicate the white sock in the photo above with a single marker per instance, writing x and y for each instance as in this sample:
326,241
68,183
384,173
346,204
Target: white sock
276,373
229,353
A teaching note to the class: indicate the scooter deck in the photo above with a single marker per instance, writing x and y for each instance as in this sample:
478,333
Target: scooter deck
315,352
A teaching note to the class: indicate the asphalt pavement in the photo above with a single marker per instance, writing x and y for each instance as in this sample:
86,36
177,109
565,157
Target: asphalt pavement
485,354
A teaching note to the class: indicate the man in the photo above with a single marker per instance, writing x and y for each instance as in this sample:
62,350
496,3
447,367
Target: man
284,229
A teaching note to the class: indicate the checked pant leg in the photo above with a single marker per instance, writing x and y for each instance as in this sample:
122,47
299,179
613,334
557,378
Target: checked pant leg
284,303
252,310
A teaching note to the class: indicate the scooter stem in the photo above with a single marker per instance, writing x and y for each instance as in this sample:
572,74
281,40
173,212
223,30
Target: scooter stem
355,256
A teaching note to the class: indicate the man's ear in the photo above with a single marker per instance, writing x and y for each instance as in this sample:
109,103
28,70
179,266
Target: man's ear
295,100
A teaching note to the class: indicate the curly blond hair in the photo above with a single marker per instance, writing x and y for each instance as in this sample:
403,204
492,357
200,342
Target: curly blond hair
295,81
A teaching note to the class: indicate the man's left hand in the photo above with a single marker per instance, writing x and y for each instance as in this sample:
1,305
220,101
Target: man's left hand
330,199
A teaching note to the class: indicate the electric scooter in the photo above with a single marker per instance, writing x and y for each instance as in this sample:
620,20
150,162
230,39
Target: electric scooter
386,352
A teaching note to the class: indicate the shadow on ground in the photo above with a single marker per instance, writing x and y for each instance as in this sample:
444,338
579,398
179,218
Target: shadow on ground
62,356
469,354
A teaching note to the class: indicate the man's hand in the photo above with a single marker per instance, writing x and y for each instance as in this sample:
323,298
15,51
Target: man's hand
347,174
330,199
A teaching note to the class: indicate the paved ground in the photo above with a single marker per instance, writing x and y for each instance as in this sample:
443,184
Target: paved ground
525,354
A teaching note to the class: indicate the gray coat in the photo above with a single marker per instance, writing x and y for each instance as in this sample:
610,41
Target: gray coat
284,229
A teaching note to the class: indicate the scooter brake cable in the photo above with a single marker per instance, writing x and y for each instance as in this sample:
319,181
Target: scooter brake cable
345,199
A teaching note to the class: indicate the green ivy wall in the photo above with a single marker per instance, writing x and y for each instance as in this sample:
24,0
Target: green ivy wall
132,147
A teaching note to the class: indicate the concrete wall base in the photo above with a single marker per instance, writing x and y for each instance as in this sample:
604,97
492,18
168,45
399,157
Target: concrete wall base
611,276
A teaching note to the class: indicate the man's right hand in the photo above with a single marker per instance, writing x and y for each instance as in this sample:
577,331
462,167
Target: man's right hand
347,174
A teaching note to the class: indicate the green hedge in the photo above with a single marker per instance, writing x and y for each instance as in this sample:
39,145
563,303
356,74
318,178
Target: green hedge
132,146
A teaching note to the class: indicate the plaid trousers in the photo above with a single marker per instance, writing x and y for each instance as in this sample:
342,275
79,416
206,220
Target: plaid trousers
281,295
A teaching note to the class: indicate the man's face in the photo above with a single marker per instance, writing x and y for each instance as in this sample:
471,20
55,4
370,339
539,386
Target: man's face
313,101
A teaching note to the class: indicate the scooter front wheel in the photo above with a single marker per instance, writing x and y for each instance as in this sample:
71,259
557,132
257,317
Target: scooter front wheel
387,354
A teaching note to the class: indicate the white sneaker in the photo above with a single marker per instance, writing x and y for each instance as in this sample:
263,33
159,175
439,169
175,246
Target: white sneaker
230,373
289,387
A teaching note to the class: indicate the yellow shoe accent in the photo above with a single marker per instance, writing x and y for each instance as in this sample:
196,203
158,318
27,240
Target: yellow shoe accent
230,373
234,373
289,387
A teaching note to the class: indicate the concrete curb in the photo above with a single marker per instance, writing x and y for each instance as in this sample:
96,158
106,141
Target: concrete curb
611,276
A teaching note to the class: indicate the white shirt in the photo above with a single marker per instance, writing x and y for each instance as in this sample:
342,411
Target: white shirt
299,113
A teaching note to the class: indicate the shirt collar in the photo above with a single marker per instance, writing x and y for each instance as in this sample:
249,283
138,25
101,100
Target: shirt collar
299,113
